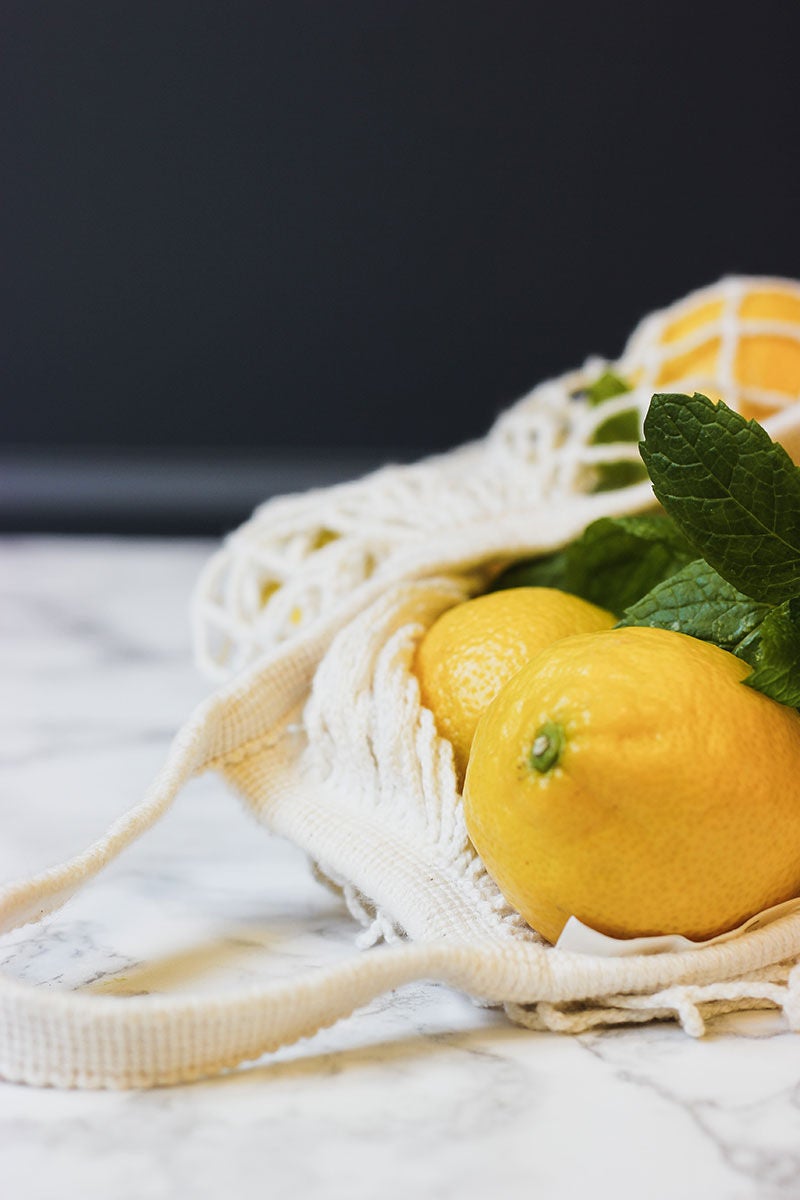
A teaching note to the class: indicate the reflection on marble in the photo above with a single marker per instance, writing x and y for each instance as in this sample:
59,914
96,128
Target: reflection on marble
421,1093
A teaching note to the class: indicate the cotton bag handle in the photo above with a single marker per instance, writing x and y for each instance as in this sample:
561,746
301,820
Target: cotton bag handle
79,1040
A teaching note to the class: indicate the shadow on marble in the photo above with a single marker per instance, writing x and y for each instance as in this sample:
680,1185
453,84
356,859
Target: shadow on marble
489,1043
244,955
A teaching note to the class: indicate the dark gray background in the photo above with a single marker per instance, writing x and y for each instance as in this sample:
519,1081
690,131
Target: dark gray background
240,237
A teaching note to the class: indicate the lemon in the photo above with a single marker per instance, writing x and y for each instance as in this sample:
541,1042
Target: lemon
762,360
742,346
628,778
467,655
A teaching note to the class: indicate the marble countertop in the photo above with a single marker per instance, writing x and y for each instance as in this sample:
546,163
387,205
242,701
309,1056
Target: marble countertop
422,1093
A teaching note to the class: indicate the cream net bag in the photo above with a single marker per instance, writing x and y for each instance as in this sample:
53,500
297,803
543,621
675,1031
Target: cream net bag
310,614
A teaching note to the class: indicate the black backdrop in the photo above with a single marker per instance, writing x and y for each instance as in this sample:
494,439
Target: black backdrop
371,223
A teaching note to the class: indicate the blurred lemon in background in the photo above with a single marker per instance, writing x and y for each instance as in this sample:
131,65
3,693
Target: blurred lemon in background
738,340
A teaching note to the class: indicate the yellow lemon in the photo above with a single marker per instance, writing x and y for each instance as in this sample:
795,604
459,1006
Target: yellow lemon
474,648
628,778
738,340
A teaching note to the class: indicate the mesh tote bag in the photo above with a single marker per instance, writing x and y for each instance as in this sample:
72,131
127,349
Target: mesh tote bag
308,617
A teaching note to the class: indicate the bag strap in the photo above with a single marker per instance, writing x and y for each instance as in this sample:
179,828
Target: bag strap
75,1039
28,900
79,1040
71,1039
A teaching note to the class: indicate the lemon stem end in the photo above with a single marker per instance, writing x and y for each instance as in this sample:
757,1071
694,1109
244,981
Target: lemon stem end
548,742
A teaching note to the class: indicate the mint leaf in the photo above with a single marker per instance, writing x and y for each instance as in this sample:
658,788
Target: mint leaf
613,475
605,387
549,571
733,492
622,427
614,562
618,559
700,603
777,655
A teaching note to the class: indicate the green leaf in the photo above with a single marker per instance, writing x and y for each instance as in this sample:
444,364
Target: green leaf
622,427
613,563
700,603
618,559
550,571
605,387
613,475
733,491
777,655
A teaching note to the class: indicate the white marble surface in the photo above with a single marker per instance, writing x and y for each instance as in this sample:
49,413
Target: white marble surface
422,1093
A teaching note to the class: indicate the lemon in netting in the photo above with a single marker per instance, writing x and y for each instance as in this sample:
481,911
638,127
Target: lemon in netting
737,340
468,654
628,778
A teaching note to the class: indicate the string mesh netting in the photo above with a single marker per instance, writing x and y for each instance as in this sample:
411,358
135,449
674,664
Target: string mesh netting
300,558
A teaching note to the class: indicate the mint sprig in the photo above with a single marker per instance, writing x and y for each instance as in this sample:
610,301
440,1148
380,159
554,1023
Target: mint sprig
614,562
777,655
700,603
735,495
722,564
733,492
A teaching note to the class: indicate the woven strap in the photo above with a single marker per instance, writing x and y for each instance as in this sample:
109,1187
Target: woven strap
80,1040
77,1040
74,1039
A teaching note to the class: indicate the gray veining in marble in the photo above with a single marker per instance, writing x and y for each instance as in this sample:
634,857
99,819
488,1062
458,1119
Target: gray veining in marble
422,1093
